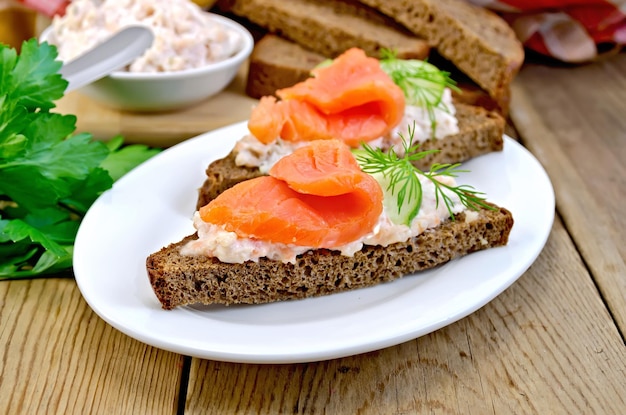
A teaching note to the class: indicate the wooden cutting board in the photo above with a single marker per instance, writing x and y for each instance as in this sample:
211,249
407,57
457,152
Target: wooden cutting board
160,129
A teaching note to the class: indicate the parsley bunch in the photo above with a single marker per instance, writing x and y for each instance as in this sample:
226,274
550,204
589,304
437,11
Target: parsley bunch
49,176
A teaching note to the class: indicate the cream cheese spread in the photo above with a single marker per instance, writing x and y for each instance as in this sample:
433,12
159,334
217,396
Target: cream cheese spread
443,123
252,153
228,247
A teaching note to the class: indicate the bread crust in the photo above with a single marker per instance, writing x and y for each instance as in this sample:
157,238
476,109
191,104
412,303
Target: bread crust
330,28
479,42
480,132
278,63
179,280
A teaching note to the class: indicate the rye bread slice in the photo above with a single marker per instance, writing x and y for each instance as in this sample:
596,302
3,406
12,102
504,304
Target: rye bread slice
179,280
477,41
330,27
277,63
480,132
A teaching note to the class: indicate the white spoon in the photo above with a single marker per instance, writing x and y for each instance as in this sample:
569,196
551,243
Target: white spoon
114,53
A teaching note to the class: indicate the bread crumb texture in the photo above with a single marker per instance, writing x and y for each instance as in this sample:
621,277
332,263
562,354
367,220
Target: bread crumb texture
184,280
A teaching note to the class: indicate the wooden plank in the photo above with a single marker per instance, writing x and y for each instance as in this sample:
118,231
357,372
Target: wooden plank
573,120
57,356
546,345
160,129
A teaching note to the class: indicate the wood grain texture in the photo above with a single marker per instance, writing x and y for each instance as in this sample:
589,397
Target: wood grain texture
550,344
546,345
573,120
58,357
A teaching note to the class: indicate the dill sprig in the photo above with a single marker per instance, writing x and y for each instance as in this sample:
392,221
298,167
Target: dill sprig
402,177
421,82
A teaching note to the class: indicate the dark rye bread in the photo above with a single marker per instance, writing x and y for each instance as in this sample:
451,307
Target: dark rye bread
277,63
479,42
329,27
223,174
185,280
480,132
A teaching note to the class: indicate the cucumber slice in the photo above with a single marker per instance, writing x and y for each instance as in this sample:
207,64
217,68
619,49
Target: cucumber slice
400,208
401,203
324,63
422,83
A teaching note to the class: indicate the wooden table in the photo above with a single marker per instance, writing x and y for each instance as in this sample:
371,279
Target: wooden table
553,343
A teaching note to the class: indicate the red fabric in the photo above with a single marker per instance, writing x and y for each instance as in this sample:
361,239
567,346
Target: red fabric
569,30
47,7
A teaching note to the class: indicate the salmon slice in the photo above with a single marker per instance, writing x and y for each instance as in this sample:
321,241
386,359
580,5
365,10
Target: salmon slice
325,169
317,197
352,99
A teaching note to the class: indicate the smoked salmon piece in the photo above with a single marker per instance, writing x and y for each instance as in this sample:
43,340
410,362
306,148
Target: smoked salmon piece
317,197
352,99
325,169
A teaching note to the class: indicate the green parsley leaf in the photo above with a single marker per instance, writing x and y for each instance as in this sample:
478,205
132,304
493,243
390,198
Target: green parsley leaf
49,176
36,82
123,159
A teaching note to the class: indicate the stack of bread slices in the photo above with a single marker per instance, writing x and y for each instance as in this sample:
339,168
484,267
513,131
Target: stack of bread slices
474,44
295,36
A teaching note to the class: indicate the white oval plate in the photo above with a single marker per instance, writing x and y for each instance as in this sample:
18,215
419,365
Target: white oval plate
152,206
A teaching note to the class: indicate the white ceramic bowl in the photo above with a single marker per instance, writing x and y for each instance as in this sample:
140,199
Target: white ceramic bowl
133,91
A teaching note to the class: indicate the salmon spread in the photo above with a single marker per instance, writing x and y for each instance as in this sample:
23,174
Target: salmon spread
185,36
